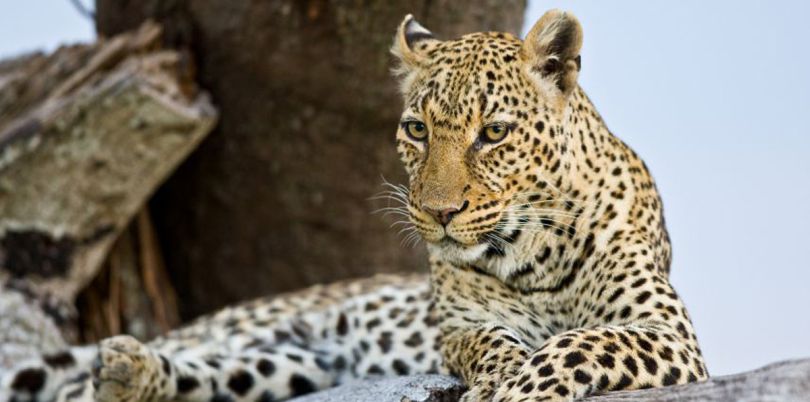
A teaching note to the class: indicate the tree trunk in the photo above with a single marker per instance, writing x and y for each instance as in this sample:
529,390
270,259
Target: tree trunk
278,196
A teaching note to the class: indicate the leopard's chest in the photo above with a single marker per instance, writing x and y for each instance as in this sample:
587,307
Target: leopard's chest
465,296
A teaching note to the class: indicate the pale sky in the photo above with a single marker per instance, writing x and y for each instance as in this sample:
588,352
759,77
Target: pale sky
27,25
715,96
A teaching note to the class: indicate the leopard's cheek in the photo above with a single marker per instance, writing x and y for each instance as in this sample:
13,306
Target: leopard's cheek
410,156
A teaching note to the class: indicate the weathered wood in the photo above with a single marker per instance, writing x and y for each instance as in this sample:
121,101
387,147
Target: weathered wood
155,279
131,293
784,382
86,136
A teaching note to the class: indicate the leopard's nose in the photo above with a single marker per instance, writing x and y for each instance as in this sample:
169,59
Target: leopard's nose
444,215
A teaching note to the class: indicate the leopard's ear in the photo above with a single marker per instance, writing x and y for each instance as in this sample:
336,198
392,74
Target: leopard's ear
552,47
411,44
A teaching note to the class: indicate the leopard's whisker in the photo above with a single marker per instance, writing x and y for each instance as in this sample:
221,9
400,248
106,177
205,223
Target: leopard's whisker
392,211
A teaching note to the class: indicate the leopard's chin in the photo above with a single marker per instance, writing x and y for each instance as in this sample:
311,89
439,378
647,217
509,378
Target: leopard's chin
451,250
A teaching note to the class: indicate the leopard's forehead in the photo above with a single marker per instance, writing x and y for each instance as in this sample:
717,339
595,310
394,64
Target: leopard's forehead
469,72
477,46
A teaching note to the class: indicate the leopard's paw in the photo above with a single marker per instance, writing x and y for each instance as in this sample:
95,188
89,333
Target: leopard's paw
480,391
121,370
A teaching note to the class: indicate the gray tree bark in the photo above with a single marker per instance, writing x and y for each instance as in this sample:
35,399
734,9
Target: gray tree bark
277,197
86,136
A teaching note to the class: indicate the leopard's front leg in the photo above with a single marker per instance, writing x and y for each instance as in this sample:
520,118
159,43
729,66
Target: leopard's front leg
483,356
477,344
636,334
583,362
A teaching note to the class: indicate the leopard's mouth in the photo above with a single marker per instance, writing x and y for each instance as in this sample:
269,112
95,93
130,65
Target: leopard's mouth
467,230
458,244
449,241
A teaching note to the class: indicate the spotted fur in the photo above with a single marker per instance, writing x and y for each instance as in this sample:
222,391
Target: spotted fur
548,253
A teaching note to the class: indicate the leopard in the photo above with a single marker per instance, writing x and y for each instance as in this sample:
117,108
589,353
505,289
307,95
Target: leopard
548,253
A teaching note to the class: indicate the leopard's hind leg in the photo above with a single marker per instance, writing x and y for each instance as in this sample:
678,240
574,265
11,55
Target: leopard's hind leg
127,370
270,349
39,379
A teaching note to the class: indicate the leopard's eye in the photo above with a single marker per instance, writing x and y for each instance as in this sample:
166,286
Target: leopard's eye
416,130
494,133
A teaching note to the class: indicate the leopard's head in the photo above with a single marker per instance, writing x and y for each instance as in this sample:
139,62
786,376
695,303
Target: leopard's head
480,134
